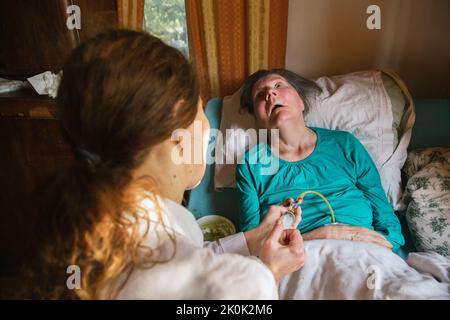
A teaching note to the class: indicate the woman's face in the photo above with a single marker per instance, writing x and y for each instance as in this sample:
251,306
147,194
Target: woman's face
199,131
275,101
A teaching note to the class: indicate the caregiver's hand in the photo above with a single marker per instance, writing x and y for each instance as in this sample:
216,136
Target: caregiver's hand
343,232
256,236
282,251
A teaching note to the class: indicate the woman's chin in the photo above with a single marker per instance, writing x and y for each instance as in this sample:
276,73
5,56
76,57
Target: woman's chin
193,186
280,119
201,169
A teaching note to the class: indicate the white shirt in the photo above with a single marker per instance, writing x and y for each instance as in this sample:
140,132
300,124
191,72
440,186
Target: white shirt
196,270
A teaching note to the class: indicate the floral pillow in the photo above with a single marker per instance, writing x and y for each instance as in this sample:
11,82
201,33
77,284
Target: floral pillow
427,197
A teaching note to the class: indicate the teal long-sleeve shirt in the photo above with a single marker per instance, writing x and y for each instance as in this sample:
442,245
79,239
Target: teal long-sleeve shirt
339,168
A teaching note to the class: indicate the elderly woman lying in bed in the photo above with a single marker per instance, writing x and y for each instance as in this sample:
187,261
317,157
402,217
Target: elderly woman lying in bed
331,162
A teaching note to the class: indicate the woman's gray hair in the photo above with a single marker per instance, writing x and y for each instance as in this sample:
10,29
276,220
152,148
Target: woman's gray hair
304,87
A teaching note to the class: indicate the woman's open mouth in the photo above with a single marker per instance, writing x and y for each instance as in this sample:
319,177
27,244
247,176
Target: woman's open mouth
275,106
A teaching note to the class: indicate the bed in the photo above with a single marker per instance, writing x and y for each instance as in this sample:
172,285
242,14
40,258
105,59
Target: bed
376,274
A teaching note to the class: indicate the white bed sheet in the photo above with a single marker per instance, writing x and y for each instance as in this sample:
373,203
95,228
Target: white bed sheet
340,269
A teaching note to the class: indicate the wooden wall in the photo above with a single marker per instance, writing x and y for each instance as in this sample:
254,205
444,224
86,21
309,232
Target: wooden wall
34,38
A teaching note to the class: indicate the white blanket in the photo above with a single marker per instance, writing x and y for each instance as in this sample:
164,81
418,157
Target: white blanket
340,269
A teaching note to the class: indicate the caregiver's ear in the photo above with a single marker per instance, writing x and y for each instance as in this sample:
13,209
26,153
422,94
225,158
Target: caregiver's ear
181,139
177,138
181,146
179,135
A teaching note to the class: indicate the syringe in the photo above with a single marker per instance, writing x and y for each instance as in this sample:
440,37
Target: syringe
289,216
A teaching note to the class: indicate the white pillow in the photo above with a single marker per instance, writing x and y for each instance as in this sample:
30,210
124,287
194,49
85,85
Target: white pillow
355,102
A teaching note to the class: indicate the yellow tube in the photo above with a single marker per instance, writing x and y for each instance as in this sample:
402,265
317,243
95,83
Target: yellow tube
323,198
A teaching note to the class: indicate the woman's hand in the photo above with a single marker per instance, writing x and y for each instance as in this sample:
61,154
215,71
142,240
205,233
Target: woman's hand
282,251
257,236
343,232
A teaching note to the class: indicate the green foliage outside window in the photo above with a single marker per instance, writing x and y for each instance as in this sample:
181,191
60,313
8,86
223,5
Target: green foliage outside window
166,19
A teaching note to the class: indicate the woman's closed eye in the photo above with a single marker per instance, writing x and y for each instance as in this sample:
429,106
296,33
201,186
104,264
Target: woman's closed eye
282,84
260,94
263,92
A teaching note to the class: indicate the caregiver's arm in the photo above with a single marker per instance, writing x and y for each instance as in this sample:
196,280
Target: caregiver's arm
250,242
280,250
368,181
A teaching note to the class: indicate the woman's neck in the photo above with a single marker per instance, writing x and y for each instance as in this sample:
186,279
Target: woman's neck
296,141
171,190
168,178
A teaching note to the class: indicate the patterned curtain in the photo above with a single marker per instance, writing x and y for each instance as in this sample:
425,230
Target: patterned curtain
230,39
130,14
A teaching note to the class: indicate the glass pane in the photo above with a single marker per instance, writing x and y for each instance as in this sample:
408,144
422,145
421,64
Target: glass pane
166,19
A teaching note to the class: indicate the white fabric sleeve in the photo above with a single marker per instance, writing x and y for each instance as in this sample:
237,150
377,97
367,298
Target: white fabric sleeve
235,243
199,273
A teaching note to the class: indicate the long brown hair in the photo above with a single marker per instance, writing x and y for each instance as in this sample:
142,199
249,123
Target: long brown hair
116,100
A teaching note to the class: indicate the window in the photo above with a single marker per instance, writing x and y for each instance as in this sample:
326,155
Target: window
166,19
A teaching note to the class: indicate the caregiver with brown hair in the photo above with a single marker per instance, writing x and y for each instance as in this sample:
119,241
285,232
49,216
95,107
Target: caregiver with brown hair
116,214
